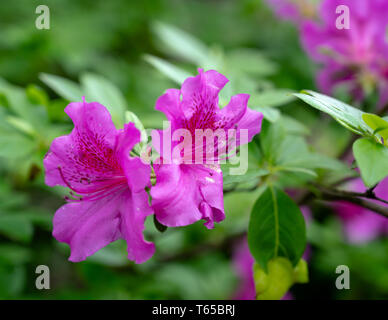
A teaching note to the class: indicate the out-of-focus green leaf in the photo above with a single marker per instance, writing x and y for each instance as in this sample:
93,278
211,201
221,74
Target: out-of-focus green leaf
12,280
16,227
63,87
250,61
37,95
276,228
271,98
13,254
181,44
171,71
21,125
249,176
293,126
20,105
271,114
99,89
15,145
372,160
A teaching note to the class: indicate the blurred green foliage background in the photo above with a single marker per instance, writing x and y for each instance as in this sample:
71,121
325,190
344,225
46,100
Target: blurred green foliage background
116,42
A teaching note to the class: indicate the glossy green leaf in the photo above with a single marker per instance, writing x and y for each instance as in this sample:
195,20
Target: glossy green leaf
372,160
276,228
346,115
377,124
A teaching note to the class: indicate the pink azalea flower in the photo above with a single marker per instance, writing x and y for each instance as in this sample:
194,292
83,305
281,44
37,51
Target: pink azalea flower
356,57
94,162
360,224
243,264
296,11
186,192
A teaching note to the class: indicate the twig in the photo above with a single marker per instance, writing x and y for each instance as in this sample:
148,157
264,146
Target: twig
356,198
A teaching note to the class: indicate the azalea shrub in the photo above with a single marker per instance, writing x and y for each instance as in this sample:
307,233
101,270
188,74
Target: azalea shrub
195,150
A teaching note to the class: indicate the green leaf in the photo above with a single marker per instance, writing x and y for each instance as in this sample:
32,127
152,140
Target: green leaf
171,71
294,126
271,98
14,145
16,227
181,44
275,283
250,61
249,176
270,114
13,254
276,228
19,103
21,125
346,115
377,124
299,170
301,272
37,95
105,92
372,160
271,137
65,88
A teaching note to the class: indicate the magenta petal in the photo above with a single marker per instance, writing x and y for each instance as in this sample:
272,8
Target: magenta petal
239,116
85,158
184,194
174,200
251,121
203,90
87,226
210,82
57,156
92,119
136,172
134,211
108,197
169,104
235,109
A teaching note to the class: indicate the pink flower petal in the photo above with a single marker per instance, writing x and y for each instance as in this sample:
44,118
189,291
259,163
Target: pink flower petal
185,194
